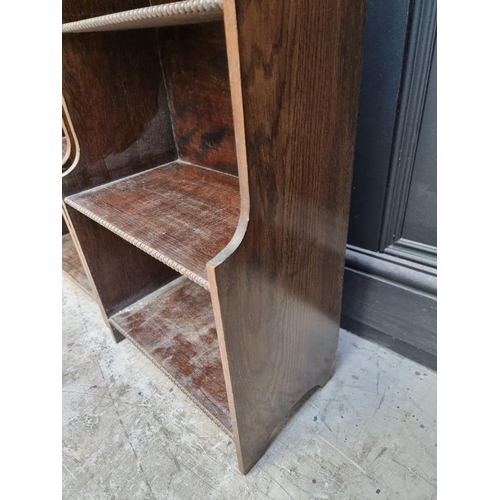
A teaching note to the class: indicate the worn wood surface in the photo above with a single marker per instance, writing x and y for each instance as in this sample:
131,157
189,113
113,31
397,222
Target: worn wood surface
114,89
278,295
175,328
180,214
72,265
195,63
121,272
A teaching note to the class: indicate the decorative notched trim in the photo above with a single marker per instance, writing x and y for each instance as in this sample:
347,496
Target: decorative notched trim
139,244
170,377
185,12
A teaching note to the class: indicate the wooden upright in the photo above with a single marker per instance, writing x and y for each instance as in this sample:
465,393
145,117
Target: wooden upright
210,198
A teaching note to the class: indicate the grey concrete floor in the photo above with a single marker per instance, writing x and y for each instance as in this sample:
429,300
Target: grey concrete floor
128,433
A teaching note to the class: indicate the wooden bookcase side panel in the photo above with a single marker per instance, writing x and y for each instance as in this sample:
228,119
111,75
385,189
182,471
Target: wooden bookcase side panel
194,59
121,272
278,296
116,97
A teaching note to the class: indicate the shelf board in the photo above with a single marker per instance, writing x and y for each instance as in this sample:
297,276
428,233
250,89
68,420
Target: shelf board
180,214
174,327
186,12
72,265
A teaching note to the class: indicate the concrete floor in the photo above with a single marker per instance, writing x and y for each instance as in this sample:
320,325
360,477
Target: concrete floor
370,433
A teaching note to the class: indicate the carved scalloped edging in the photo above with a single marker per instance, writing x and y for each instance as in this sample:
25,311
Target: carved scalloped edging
145,14
142,246
171,378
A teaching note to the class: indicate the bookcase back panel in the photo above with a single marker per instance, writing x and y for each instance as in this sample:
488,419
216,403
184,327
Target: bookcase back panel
76,10
115,93
195,63
121,272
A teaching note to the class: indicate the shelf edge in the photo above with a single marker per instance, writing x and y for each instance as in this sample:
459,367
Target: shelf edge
139,244
185,12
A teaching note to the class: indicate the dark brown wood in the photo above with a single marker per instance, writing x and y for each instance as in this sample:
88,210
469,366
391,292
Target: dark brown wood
182,342
195,64
72,265
182,214
114,90
64,227
121,272
76,10
277,296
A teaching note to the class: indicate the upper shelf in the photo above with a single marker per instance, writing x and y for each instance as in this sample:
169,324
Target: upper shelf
180,214
186,12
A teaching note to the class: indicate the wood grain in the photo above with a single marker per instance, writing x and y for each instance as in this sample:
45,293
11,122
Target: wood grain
72,265
115,93
277,297
181,214
195,64
183,342
76,10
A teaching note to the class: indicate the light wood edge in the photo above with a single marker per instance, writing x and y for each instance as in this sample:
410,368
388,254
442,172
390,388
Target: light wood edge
170,377
74,237
68,144
231,29
71,137
78,284
185,12
142,246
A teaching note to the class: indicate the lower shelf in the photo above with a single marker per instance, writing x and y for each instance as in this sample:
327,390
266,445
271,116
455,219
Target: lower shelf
175,328
72,265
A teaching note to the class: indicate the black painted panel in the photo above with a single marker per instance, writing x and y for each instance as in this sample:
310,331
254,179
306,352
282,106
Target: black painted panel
385,36
420,222
401,312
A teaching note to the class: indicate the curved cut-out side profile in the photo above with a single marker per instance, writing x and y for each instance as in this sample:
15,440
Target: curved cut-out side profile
66,146
276,288
72,155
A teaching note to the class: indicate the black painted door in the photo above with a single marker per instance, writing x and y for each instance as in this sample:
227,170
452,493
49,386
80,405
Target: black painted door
390,291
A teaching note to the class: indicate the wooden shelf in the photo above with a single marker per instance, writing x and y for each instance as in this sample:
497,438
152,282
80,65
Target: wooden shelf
72,265
180,214
186,12
182,343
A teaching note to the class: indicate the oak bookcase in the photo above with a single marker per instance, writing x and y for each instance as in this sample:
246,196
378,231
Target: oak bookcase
208,194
